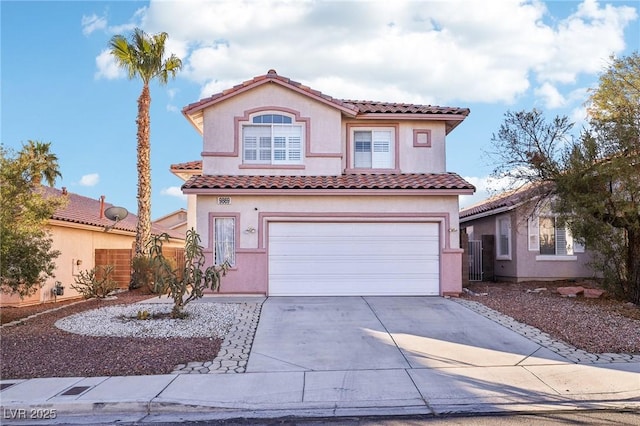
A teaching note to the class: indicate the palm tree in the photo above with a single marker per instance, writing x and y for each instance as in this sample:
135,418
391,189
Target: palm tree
143,56
41,162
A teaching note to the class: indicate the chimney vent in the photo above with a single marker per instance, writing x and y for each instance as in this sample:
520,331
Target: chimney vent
102,197
64,190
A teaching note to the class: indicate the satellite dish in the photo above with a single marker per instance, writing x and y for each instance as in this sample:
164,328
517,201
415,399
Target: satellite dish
116,214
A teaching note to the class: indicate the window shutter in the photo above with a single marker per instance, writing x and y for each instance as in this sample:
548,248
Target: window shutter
257,143
570,243
362,149
534,233
575,246
562,241
381,153
287,144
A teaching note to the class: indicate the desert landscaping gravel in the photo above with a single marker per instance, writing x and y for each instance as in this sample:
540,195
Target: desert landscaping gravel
203,320
594,325
37,348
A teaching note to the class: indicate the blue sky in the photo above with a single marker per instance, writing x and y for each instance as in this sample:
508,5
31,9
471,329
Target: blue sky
59,85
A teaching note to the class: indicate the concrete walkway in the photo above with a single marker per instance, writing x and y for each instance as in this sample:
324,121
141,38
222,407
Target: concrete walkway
352,356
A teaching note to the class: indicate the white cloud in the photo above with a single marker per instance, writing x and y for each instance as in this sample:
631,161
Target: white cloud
107,67
91,179
412,51
174,191
135,21
486,187
93,23
550,96
583,41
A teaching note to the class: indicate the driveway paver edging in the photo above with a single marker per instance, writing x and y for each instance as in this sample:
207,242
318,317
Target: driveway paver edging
235,349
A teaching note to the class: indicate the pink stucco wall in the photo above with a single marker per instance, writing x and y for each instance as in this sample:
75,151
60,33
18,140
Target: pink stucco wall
255,212
326,136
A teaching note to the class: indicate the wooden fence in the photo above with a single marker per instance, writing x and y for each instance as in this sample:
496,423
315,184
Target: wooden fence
120,259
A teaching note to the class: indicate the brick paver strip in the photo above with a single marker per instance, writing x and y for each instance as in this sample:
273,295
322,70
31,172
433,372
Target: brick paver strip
235,349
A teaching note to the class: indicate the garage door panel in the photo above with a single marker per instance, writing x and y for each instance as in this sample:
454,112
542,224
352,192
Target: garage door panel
392,265
360,245
358,286
353,258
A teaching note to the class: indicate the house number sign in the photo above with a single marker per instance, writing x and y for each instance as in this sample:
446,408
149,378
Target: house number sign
224,201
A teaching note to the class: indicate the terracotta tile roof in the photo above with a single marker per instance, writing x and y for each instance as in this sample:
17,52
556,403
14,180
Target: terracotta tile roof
189,165
356,107
505,201
86,211
351,181
270,76
397,108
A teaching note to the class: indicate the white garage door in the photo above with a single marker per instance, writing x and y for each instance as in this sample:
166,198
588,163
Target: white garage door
353,259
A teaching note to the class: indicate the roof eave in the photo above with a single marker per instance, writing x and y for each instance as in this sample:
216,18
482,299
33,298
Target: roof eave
185,175
190,111
328,191
195,119
451,120
492,212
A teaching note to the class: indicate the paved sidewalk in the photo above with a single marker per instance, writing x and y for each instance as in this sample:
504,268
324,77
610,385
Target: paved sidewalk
427,356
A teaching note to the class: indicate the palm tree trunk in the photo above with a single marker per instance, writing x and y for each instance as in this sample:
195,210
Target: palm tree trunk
633,265
143,228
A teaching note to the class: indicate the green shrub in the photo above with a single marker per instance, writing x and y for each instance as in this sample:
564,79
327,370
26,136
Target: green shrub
146,271
95,282
144,315
141,273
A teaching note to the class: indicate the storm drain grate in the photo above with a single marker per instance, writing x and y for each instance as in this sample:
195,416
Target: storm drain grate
3,386
76,390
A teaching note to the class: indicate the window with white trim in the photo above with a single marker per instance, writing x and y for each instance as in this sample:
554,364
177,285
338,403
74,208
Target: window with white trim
272,139
551,238
225,240
373,149
503,232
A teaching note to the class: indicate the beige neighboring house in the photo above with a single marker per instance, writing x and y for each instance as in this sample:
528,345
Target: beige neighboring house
521,240
82,234
306,194
176,221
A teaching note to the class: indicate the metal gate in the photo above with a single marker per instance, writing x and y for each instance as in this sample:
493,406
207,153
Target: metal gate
475,260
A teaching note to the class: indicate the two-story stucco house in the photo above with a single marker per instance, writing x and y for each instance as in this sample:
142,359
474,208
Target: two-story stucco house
304,194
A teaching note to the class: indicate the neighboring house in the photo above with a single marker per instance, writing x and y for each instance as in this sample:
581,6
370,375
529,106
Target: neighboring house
305,194
82,234
176,221
525,239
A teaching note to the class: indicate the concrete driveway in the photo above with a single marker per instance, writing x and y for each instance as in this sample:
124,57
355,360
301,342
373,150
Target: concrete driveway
382,333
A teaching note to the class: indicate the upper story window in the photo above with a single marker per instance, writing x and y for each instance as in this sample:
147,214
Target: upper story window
373,148
271,118
272,139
